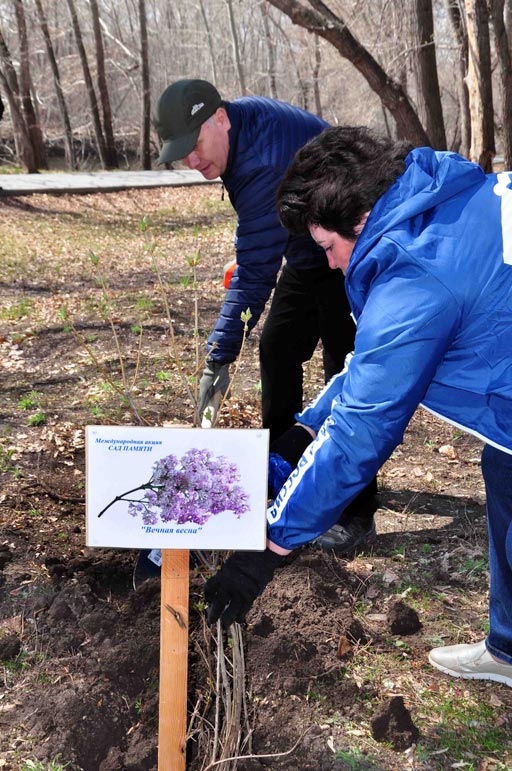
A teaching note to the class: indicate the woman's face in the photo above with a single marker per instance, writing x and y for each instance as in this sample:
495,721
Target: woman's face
337,248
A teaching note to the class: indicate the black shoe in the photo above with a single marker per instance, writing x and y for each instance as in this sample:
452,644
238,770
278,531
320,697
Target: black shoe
344,539
148,566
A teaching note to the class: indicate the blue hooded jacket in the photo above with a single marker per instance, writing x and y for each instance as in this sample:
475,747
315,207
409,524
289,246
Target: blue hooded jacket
430,286
264,136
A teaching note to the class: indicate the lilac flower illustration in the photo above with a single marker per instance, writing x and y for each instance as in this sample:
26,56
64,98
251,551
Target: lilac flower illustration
189,489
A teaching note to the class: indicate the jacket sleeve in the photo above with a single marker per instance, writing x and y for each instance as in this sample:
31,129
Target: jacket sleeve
407,325
318,410
260,243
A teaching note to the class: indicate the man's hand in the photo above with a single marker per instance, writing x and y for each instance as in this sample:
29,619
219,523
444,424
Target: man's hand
215,379
231,592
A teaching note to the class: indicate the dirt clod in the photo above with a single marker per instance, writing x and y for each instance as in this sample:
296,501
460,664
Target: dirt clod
5,555
10,646
393,723
403,619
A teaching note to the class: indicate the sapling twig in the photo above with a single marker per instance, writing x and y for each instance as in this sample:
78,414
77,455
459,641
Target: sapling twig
193,262
245,317
104,288
125,393
138,359
150,246
220,657
275,755
239,666
228,730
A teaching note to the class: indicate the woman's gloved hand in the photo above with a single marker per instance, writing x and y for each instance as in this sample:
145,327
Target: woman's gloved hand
231,592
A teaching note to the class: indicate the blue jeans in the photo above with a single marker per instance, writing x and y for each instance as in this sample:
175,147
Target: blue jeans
497,473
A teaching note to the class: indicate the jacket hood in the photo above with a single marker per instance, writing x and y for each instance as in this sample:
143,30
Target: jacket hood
430,178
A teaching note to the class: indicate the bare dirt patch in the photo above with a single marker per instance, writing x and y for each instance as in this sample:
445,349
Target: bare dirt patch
336,649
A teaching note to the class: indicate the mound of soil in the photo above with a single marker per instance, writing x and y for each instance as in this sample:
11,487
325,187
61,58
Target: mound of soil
94,697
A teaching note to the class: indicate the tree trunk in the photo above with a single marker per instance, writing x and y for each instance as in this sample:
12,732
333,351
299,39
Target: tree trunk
9,81
270,51
110,144
8,69
98,131
479,81
236,48
24,148
68,134
316,77
459,29
497,8
145,154
324,23
425,68
25,83
211,46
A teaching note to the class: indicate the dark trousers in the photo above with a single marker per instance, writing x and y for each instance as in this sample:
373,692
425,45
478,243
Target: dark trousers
308,307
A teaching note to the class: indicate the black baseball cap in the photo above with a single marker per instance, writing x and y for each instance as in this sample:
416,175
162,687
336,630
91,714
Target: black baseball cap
181,110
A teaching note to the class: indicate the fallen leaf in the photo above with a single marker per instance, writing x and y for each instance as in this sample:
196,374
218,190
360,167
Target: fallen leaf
448,451
390,578
377,617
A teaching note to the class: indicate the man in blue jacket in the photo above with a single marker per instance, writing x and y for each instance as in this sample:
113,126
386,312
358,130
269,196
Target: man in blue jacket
249,143
425,241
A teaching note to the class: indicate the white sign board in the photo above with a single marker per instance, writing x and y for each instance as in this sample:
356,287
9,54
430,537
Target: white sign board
176,488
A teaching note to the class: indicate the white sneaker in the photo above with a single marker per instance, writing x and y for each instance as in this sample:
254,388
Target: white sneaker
473,662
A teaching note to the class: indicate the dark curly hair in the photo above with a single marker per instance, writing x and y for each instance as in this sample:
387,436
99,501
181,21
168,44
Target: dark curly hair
337,177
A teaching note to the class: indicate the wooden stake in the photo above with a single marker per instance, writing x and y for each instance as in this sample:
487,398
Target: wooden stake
172,729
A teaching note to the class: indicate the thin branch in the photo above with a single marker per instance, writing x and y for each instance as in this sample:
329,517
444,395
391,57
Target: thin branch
259,757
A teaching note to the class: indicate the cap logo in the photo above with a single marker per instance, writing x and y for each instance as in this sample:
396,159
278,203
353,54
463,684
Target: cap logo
196,107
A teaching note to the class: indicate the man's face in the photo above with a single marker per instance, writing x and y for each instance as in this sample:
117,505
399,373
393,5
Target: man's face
210,155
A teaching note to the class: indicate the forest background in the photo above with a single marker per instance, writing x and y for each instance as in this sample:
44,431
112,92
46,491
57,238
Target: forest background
79,78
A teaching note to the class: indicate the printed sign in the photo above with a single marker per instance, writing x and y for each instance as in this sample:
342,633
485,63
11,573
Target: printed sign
176,488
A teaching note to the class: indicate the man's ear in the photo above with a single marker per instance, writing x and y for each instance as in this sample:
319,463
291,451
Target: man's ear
221,118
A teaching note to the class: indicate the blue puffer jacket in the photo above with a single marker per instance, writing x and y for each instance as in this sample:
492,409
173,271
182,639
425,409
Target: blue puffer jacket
430,285
264,136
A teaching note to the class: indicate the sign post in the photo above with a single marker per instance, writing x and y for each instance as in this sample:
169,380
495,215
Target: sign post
172,728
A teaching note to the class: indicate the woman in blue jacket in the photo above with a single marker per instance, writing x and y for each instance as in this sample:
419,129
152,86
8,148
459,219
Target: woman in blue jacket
425,241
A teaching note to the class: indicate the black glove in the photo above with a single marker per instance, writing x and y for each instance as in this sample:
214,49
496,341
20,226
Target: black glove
215,378
292,444
231,592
